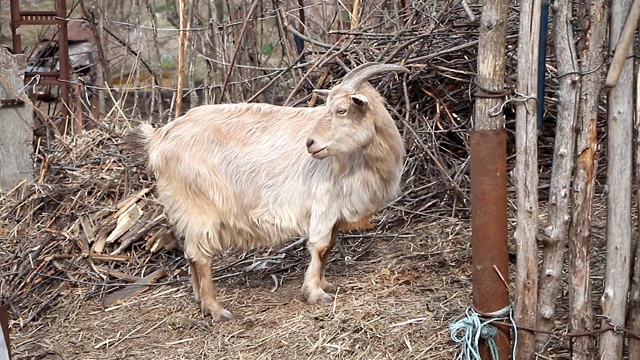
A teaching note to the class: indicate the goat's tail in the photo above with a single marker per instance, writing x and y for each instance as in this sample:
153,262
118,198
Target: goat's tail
140,138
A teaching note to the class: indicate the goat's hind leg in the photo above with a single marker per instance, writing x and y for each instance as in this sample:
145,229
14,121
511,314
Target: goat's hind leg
205,290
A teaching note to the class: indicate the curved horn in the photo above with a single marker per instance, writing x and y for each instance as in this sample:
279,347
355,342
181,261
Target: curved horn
362,73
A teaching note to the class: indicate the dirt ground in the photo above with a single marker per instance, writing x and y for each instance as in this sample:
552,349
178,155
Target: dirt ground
394,302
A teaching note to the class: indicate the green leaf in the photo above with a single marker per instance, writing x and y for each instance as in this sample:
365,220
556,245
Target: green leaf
267,49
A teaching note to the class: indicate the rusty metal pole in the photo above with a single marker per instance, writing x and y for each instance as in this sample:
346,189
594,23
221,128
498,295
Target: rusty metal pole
63,58
5,349
15,18
488,152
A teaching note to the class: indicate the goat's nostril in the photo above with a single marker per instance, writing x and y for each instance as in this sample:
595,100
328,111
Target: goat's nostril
310,142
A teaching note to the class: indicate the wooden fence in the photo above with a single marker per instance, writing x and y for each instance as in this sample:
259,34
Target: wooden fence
608,328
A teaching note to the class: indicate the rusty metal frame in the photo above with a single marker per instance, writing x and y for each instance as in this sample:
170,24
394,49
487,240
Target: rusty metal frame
56,17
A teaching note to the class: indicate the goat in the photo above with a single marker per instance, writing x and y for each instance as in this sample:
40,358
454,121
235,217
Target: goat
244,176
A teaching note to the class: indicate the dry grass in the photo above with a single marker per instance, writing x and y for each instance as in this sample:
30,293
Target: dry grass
396,304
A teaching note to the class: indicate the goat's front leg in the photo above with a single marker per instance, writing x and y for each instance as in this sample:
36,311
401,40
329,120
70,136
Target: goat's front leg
315,284
324,257
205,291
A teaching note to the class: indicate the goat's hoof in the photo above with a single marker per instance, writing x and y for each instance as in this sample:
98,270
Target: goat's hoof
328,287
222,315
320,298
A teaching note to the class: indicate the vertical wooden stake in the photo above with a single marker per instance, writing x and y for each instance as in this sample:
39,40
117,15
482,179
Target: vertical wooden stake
634,294
526,179
619,179
182,54
559,219
592,53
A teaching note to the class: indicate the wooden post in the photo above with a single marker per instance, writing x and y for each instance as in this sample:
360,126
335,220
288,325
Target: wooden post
488,151
182,54
16,122
103,66
526,179
619,179
558,219
591,53
634,294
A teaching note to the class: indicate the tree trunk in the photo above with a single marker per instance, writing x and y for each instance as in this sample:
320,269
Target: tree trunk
557,228
488,151
526,178
619,179
592,52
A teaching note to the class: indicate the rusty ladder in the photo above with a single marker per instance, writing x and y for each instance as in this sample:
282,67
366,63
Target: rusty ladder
57,17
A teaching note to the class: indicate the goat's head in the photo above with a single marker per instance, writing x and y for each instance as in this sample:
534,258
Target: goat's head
347,124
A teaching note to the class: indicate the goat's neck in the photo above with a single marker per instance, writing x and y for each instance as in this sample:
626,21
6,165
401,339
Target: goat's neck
384,154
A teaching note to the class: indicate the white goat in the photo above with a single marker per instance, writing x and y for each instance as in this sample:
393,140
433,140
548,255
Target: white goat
251,175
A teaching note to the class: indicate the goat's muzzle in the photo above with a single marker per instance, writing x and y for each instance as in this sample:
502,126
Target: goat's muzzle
318,151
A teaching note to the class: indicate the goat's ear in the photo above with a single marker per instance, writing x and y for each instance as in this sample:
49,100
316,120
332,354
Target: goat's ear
323,93
359,99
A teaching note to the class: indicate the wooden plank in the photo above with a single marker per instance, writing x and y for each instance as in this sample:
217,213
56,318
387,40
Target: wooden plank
117,274
16,122
124,205
122,295
101,237
125,222
144,225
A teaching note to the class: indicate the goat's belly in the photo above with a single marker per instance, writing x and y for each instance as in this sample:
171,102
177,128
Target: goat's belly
256,236
214,222
214,235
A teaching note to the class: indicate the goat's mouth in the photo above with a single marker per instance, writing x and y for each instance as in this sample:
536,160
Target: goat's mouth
320,153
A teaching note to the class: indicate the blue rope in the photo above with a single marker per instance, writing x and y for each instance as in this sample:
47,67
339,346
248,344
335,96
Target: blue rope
469,330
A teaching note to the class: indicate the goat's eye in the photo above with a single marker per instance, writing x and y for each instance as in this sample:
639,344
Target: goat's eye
341,111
